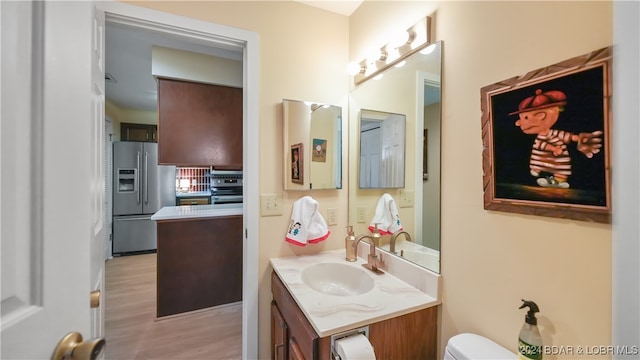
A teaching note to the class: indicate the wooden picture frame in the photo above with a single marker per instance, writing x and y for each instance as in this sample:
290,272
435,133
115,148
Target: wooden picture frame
297,164
531,128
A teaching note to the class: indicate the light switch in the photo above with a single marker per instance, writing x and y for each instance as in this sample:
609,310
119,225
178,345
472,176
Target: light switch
406,198
270,205
332,216
361,216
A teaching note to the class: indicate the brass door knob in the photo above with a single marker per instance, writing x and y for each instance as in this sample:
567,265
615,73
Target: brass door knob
72,347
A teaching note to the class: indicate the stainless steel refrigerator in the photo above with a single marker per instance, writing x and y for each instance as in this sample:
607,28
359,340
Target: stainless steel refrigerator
141,187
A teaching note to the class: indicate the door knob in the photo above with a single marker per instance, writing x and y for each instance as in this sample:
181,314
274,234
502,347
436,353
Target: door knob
72,347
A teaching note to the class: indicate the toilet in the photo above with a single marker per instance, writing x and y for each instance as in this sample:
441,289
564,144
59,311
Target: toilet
468,346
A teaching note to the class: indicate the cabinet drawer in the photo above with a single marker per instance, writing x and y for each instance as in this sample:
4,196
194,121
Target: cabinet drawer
194,201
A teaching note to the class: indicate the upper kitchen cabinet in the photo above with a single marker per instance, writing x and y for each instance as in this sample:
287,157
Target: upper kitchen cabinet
199,124
138,132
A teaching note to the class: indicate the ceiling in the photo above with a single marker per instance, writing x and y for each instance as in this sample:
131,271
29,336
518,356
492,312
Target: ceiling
343,7
129,83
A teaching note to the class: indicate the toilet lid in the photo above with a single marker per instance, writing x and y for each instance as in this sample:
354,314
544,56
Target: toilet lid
471,346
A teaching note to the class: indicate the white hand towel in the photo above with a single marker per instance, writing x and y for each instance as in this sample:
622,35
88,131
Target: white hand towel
307,224
386,216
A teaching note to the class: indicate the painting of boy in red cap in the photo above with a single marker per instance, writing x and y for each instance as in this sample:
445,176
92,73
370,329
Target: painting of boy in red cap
550,161
546,140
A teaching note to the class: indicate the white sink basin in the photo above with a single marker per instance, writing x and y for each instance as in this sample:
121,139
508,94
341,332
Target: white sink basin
337,279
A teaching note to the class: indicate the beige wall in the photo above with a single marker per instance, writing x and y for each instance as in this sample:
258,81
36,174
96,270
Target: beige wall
186,65
119,115
491,260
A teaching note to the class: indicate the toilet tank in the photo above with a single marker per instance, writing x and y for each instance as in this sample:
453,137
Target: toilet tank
468,346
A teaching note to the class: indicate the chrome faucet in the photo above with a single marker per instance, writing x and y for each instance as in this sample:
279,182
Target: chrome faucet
392,241
374,261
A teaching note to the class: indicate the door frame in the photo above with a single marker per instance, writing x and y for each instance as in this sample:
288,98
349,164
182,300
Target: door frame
226,37
108,187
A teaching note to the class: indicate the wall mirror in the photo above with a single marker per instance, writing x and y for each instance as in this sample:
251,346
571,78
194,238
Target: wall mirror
312,145
414,91
382,148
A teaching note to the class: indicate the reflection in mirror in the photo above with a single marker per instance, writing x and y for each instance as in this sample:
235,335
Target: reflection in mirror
381,149
312,145
414,90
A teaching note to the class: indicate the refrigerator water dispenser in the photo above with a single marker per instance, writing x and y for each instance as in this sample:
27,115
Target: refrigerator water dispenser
127,180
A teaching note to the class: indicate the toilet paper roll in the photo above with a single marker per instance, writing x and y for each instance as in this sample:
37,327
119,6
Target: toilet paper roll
356,347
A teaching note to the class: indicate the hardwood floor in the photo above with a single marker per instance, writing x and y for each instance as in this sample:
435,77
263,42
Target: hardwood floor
133,332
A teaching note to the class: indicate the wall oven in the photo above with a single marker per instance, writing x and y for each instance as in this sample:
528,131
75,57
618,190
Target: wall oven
226,188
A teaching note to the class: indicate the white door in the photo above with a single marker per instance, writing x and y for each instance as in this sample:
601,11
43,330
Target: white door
392,131
51,179
370,158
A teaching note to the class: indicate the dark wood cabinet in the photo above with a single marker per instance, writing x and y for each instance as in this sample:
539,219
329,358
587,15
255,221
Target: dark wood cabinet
199,263
138,132
199,124
299,341
409,336
279,334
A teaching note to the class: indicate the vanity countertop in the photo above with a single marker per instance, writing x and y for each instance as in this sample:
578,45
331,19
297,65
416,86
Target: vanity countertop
329,314
195,212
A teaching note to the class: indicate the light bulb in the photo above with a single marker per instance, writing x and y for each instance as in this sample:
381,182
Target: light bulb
400,64
392,53
428,50
400,39
354,68
378,77
376,55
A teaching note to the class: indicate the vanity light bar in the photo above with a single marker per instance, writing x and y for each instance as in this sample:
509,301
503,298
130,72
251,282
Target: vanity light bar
417,38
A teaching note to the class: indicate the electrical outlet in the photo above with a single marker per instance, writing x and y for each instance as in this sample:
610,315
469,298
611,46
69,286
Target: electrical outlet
406,198
361,216
270,205
332,216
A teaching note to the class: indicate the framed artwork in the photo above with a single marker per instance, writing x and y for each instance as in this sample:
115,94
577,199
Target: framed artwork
546,140
297,164
319,152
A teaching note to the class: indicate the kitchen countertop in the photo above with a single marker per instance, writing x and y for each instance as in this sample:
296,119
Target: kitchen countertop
196,211
329,314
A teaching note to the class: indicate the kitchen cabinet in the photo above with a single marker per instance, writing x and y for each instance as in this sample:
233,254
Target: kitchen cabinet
409,336
199,124
138,132
182,200
199,263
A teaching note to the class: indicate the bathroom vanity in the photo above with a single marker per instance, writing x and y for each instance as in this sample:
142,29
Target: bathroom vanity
401,320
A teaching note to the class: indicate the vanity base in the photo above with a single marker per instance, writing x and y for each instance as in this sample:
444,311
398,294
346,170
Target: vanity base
410,336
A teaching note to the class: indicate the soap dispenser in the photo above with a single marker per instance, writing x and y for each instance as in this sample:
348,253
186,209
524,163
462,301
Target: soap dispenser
530,341
349,241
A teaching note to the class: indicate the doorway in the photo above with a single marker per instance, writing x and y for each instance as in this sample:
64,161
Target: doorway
217,36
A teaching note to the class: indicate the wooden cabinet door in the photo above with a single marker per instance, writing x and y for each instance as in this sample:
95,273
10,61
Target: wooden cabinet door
279,334
294,350
138,132
303,341
199,124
